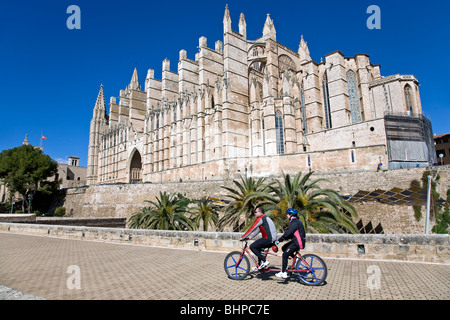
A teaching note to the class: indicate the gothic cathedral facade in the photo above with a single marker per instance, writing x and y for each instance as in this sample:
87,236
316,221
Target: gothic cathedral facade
258,108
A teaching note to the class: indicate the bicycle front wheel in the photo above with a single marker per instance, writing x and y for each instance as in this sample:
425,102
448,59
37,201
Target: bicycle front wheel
236,265
312,270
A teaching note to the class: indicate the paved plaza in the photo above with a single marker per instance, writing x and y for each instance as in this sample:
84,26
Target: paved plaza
61,269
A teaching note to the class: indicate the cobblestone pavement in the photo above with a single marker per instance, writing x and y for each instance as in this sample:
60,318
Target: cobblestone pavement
46,267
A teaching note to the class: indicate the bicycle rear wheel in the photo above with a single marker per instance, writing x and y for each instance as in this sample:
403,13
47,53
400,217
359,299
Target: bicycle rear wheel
236,266
312,271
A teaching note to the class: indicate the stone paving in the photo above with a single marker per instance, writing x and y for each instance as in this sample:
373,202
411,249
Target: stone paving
52,268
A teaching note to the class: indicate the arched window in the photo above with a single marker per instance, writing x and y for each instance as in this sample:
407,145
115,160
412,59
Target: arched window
157,126
263,134
175,113
257,65
326,101
259,91
285,63
353,97
136,168
408,100
302,101
279,132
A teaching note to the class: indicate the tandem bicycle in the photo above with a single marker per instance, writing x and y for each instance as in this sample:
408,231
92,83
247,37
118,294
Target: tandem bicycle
310,269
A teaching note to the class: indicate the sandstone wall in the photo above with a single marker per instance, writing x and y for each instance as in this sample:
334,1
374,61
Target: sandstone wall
122,200
418,248
17,217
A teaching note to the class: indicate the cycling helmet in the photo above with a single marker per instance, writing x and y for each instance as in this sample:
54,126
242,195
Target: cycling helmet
292,211
275,248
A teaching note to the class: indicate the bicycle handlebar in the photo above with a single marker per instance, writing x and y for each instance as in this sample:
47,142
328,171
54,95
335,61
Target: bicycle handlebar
244,242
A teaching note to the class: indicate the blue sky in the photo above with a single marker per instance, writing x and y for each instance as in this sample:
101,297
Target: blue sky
50,76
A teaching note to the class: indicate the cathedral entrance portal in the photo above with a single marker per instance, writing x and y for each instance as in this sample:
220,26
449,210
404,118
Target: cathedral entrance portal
136,168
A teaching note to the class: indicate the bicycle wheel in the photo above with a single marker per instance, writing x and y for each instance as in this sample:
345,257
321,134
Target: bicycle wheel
236,267
313,272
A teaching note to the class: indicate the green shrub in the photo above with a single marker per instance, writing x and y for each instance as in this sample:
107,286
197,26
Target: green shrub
60,212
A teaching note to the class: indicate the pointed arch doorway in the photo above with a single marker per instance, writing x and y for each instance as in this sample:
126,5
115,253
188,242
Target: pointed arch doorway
136,168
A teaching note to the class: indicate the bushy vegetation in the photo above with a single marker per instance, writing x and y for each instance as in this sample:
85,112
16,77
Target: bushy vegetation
443,217
321,210
440,212
25,170
60,212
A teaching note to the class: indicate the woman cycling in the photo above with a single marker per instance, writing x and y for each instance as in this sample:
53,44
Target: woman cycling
296,233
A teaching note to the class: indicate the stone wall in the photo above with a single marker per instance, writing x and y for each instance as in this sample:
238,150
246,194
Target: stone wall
86,222
122,200
351,182
419,248
64,221
393,219
17,217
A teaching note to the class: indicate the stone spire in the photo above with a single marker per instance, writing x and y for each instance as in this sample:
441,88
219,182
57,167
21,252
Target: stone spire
242,25
100,106
25,142
100,103
98,123
226,20
303,51
134,84
269,29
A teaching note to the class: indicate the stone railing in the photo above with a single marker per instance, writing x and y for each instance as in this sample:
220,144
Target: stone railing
400,247
17,217
110,222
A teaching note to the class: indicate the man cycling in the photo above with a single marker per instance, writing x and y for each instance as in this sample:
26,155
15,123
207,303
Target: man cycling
295,232
268,231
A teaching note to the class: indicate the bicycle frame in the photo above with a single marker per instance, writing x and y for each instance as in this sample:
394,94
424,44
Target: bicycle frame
312,273
266,252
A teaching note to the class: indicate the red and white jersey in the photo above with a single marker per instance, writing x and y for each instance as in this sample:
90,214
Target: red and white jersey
264,225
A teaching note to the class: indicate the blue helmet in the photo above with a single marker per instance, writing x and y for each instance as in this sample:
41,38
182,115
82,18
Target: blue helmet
292,211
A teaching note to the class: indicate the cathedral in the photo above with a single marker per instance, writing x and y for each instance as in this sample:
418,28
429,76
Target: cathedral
257,108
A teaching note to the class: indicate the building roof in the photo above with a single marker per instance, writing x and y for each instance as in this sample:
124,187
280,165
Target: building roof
438,136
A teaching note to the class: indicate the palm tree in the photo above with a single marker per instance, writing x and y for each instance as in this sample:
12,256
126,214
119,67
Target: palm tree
205,211
168,212
320,210
238,212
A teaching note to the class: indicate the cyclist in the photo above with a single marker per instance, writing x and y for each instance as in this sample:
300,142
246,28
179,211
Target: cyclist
295,232
268,231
